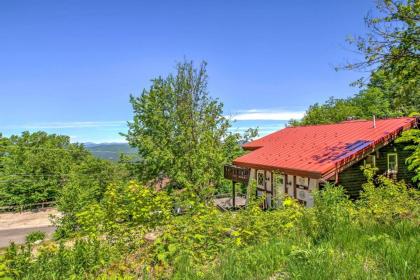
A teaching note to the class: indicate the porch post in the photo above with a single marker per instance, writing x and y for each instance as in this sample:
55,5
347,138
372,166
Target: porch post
234,195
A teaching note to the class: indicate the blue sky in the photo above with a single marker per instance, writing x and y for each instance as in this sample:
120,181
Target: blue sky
69,66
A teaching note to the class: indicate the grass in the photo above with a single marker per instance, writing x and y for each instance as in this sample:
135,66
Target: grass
375,238
353,252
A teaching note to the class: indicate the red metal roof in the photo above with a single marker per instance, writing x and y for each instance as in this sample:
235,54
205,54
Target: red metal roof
315,151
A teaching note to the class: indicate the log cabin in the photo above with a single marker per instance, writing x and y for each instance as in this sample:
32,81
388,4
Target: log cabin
296,161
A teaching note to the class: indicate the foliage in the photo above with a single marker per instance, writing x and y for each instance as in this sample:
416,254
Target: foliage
391,50
181,133
412,137
84,260
35,236
38,167
385,201
390,53
130,206
249,135
34,167
337,239
376,237
86,184
333,210
332,111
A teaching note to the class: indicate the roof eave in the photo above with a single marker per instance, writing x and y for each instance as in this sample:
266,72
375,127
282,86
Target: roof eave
289,171
356,157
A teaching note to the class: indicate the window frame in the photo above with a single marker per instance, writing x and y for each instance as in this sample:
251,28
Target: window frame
396,161
277,178
262,173
373,161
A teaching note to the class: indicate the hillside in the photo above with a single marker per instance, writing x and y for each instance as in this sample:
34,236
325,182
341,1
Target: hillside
109,151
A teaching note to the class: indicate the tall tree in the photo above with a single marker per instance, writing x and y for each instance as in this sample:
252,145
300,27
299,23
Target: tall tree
180,131
390,52
412,138
38,167
34,166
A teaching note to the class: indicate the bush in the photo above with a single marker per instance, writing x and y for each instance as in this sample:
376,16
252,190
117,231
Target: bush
85,259
129,206
35,236
333,210
376,237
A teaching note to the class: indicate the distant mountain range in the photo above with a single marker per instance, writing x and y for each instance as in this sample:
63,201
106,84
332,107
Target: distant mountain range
109,151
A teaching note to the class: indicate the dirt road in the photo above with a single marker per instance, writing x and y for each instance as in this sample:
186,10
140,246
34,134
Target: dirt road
18,235
15,226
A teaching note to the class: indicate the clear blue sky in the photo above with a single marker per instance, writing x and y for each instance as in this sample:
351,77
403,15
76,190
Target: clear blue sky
69,66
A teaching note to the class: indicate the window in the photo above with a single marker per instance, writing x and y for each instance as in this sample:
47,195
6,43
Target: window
370,161
279,180
260,178
301,195
302,181
392,162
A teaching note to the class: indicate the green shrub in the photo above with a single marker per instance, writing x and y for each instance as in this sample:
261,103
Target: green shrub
83,260
124,208
376,237
333,210
35,236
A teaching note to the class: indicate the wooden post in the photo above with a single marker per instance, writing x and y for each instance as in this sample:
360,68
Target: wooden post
256,180
336,173
234,195
286,183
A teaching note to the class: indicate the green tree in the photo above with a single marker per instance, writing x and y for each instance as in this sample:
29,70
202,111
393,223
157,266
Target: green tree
34,166
332,111
86,184
126,207
412,137
180,131
390,53
390,50
38,167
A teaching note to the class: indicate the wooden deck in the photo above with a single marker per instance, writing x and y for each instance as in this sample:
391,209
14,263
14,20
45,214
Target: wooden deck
226,203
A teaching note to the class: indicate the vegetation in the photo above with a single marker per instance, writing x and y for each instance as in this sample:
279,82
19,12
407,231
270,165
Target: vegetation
80,261
374,238
86,184
412,137
38,167
110,151
390,54
181,133
35,236
114,227
34,167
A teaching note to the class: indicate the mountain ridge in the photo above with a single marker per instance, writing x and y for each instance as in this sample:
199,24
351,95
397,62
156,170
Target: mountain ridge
110,151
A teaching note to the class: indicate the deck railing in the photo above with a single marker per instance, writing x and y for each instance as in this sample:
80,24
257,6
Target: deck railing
236,173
